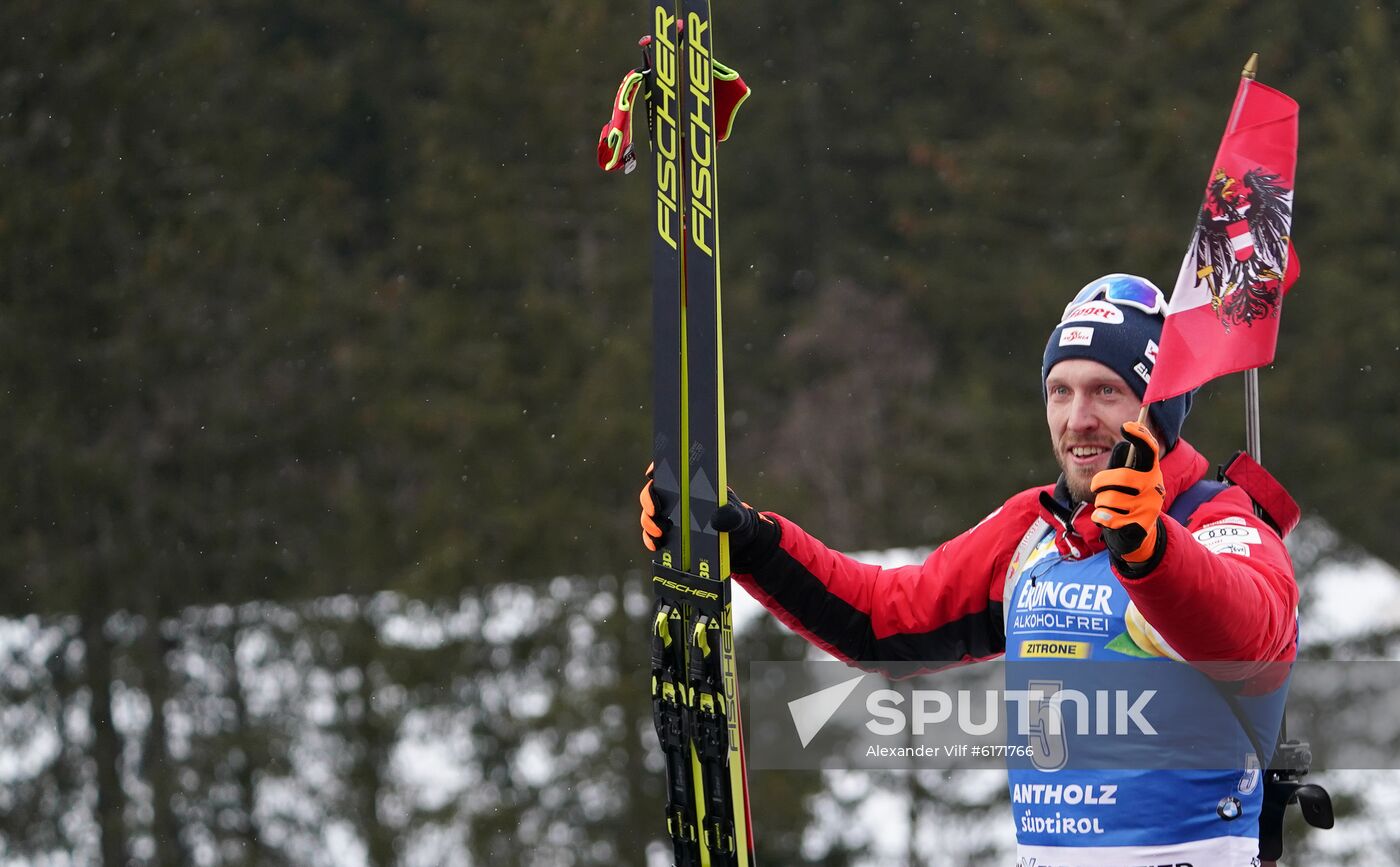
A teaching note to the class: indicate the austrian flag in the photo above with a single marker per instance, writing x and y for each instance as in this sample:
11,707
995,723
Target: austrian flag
1224,310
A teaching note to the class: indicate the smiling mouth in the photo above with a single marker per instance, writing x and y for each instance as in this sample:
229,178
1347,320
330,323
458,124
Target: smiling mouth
1086,454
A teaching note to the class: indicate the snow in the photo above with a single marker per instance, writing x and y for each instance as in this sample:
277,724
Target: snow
1351,600
432,767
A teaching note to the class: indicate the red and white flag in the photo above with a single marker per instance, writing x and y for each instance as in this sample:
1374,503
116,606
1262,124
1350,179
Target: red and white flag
1224,311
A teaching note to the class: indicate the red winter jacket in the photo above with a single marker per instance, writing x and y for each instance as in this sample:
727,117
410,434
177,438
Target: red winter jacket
1209,604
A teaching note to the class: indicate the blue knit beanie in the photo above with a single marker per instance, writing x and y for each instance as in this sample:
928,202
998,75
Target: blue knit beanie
1121,337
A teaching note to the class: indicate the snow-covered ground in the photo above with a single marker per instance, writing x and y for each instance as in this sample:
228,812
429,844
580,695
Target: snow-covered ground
433,757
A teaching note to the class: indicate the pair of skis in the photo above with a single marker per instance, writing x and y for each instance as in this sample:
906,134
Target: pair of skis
694,678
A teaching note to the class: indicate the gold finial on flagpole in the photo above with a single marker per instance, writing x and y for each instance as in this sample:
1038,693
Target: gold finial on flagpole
1251,66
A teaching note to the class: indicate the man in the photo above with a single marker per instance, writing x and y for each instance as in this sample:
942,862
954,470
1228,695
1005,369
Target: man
1214,585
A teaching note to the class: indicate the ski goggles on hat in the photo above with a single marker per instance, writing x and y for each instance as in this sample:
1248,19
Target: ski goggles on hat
1121,289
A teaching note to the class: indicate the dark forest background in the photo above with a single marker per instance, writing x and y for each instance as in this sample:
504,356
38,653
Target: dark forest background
324,354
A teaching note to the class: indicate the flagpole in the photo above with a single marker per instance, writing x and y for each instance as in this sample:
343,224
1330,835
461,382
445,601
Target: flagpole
1252,438
1252,447
1251,377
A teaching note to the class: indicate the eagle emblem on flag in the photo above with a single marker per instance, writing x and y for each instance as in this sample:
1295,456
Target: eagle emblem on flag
1241,248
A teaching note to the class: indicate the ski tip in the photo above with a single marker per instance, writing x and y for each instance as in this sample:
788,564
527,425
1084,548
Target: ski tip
644,41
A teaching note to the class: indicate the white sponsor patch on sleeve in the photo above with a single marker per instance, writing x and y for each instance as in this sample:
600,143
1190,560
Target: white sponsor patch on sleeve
1228,537
1077,336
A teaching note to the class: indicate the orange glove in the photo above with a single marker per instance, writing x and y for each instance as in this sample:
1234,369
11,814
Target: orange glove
1128,500
654,526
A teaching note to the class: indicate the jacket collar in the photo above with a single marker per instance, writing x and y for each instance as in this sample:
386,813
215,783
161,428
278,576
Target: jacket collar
1077,536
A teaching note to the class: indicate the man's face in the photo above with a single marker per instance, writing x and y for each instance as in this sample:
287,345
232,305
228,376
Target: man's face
1086,405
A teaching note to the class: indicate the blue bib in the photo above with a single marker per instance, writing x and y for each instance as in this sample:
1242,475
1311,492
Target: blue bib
1120,766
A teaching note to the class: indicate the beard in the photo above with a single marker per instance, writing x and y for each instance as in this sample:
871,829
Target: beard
1079,480
1078,483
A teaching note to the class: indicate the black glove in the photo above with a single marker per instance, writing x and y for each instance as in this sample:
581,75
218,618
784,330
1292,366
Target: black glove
753,536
